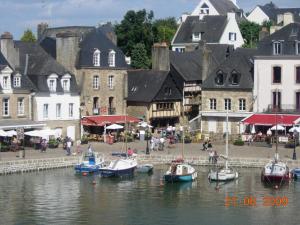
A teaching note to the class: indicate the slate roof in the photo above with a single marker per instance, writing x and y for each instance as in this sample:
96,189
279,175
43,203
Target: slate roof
41,65
211,27
189,64
288,34
3,61
97,40
224,6
271,10
241,61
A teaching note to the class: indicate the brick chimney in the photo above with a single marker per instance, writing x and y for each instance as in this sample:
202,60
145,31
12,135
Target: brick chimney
160,57
263,33
67,48
41,29
8,49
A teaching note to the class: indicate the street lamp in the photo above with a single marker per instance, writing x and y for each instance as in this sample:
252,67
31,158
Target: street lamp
147,136
294,153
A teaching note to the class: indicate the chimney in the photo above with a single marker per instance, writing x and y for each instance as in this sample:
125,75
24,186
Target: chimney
8,49
263,33
183,17
206,60
160,57
288,18
67,48
41,29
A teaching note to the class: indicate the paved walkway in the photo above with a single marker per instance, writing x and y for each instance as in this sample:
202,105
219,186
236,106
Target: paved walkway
189,150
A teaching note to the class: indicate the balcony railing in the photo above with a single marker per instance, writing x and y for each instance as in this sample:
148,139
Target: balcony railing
282,109
192,101
111,111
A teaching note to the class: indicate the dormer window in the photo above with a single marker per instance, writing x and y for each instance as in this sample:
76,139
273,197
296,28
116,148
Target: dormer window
96,57
111,58
65,82
17,80
204,9
6,82
51,81
277,48
297,47
196,36
235,78
220,78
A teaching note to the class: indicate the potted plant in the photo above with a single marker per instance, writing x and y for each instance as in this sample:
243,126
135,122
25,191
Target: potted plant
84,140
187,138
53,143
238,142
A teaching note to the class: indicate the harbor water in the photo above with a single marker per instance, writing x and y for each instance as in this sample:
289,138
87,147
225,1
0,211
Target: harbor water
61,197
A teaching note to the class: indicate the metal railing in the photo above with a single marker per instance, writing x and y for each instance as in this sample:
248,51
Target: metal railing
284,108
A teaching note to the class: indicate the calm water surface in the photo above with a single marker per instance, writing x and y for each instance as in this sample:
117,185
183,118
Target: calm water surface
60,197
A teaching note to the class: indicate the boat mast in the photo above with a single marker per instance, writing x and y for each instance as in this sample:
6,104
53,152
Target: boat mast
276,131
182,143
226,162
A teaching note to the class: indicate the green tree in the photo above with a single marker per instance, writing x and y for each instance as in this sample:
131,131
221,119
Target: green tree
267,24
136,27
164,29
250,33
28,36
139,57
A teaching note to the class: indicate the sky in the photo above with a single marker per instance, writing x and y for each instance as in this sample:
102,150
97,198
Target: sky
18,15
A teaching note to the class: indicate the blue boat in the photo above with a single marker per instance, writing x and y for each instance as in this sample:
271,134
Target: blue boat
296,173
180,172
119,167
90,163
145,168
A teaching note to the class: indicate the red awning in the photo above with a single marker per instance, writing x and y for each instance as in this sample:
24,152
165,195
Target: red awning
270,119
103,120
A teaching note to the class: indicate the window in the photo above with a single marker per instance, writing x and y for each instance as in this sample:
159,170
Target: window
71,110
242,104
297,47
234,78
276,74
17,81
45,111
165,106
196,36
20,106
276,100
277,48
95,82
298,74
232,36
298,101
111,82
168,91
5,107
66,85
220,78
111,58
213,104
58,110
6,82
96,58
52,85
227,104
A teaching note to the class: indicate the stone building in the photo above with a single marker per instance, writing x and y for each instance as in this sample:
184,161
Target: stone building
98,64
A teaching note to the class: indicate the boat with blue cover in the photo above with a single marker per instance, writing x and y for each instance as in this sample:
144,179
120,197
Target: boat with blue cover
180,172
296,173
90,162
119,167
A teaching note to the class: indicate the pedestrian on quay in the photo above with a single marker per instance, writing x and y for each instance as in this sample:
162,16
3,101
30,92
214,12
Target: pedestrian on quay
204,146
211,156
69,144
152,143
90,150
215,157
209,145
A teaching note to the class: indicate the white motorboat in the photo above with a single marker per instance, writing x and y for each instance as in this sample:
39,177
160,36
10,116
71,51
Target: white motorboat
119,167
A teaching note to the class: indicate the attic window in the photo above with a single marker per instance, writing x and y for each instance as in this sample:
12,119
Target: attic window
17,80
6,82
196,36
65,82
51,81
297,47
220,78
277,48
96,57
168,91
235,78
111,58
134,89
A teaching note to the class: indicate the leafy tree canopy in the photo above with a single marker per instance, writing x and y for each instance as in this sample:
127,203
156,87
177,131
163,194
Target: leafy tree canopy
250,33
165,29
28,36
139,58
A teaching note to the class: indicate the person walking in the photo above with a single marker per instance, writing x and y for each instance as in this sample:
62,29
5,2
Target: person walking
69,144
211,156
204,146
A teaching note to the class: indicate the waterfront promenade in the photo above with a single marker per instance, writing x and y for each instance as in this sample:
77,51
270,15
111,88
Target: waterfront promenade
240,156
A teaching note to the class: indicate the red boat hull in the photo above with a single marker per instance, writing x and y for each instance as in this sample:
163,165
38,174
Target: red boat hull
274,178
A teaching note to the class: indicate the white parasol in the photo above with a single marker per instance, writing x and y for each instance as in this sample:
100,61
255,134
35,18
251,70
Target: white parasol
253,130
3,133
279,127
297,129
144,125
269,132
11,133
114,127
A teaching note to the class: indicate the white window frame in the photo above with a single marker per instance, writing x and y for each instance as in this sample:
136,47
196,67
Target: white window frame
45,111
111,82
112,58
96,57
58,110
297,47
227,104
52,82
71,110
232,36
66,82
5,106
196,36
213,104
17,81
277,48
5,82
242,104
21,106
96,82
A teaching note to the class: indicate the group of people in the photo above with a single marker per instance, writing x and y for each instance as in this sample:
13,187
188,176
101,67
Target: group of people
212,154
157,144
207,145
